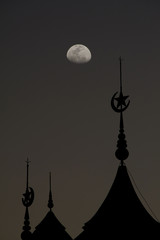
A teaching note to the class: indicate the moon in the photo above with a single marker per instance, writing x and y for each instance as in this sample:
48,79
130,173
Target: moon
78,53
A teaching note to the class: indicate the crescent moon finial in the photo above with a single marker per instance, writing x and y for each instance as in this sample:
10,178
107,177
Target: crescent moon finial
28,196
121,100
27,201
121,152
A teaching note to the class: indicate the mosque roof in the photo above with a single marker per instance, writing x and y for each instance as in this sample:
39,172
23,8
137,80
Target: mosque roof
121,213
50,228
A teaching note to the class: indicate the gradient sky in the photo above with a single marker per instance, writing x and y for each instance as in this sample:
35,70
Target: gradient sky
58,113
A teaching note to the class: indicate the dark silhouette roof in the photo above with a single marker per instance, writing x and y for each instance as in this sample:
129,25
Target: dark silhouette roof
50,228
121,214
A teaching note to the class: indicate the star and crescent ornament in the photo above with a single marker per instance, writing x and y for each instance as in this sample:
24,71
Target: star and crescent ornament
28,198
121,102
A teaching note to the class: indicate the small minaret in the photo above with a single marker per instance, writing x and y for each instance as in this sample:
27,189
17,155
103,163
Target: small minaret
50,201
121,152
27,201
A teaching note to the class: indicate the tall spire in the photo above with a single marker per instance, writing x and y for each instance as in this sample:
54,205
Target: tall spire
50,201
121,152
27,201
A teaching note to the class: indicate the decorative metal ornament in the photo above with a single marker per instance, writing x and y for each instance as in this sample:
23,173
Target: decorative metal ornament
27,201
121,152
120,102
28,198
50,201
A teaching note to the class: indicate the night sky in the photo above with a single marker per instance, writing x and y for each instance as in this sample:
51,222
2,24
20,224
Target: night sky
58,113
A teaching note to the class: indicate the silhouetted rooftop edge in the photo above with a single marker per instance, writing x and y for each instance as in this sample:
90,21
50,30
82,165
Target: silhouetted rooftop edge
122,209
50,228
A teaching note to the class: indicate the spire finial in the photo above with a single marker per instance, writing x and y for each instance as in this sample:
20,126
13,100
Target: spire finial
120,64
27,172
28,198
27,201
122,152
50,201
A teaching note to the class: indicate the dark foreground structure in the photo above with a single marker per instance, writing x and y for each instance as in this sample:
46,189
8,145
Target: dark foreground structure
121,215
50,227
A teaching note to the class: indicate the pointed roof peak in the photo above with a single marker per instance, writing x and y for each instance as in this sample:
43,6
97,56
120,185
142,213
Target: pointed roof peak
50,201
50,228
123,210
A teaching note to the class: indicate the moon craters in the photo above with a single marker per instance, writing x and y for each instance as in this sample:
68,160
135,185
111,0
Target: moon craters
79,53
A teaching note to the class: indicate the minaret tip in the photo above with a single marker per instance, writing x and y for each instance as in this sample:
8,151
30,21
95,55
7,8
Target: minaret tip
50,201
27,201
122,152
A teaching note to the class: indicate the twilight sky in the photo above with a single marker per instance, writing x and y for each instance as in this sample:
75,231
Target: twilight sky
58,113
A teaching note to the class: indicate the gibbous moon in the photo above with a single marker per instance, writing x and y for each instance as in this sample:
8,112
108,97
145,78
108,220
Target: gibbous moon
79,53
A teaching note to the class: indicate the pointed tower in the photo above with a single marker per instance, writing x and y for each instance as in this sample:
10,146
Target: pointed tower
50,228
27,201
121,215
